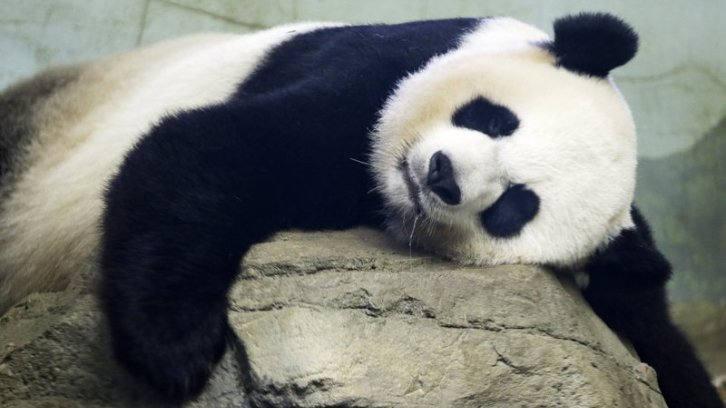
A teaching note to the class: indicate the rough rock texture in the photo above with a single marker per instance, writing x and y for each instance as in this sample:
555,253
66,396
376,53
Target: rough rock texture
347,320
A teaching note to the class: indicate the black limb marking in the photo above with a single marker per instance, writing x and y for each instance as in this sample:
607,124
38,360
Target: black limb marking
644,320
173,238
627,290
630,263
204,185
483,116
19,107
511,212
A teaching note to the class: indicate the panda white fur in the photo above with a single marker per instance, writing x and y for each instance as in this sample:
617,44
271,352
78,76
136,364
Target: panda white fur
480,139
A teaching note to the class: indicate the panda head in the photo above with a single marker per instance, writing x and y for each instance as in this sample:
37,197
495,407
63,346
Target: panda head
513,148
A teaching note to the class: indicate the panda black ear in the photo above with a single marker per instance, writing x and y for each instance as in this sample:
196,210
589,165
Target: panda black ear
593,43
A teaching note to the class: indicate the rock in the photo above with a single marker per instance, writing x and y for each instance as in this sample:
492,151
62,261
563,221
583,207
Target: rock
346,319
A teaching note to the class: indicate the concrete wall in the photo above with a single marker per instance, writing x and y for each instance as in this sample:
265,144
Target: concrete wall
676,85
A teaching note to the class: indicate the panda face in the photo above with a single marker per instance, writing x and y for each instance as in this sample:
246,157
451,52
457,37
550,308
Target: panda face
501,156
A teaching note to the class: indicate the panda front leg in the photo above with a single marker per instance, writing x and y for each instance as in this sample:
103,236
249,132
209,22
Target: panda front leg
627,290
184,208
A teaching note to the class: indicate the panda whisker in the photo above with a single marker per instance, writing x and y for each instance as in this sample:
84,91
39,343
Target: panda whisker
358,161
410,241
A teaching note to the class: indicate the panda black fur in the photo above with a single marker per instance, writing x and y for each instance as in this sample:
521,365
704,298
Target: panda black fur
485,141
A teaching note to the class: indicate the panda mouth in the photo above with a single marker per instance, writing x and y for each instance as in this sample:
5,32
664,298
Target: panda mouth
413,189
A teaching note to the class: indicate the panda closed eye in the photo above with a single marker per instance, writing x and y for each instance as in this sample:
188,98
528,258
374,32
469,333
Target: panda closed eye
486,117
517,206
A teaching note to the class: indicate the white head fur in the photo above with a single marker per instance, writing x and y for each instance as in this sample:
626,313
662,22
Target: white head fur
575,148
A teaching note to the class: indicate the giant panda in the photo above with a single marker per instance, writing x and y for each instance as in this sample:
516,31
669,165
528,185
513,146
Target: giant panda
482,140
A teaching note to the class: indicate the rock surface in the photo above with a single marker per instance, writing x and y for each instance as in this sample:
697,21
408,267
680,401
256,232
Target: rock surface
346,319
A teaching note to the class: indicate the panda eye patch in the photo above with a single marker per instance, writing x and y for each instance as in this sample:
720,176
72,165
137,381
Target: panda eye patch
517,206
486,117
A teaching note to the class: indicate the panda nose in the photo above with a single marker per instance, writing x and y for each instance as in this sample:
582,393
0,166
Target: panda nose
441,179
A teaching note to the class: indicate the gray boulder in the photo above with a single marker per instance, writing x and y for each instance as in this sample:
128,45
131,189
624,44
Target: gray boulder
347,319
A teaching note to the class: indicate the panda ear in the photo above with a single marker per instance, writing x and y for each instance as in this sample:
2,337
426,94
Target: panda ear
593,43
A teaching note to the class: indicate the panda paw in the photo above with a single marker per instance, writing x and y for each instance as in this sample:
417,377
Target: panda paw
174,357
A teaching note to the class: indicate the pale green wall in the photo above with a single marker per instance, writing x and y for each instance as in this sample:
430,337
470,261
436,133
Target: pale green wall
676,85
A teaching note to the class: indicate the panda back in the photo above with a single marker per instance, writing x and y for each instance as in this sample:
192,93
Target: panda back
65,132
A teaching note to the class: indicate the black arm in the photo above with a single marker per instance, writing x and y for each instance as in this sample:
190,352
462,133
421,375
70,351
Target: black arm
189,201
630,263
627,290
179,218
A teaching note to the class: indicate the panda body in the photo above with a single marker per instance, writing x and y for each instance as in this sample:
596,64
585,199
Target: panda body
480,139
99,110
